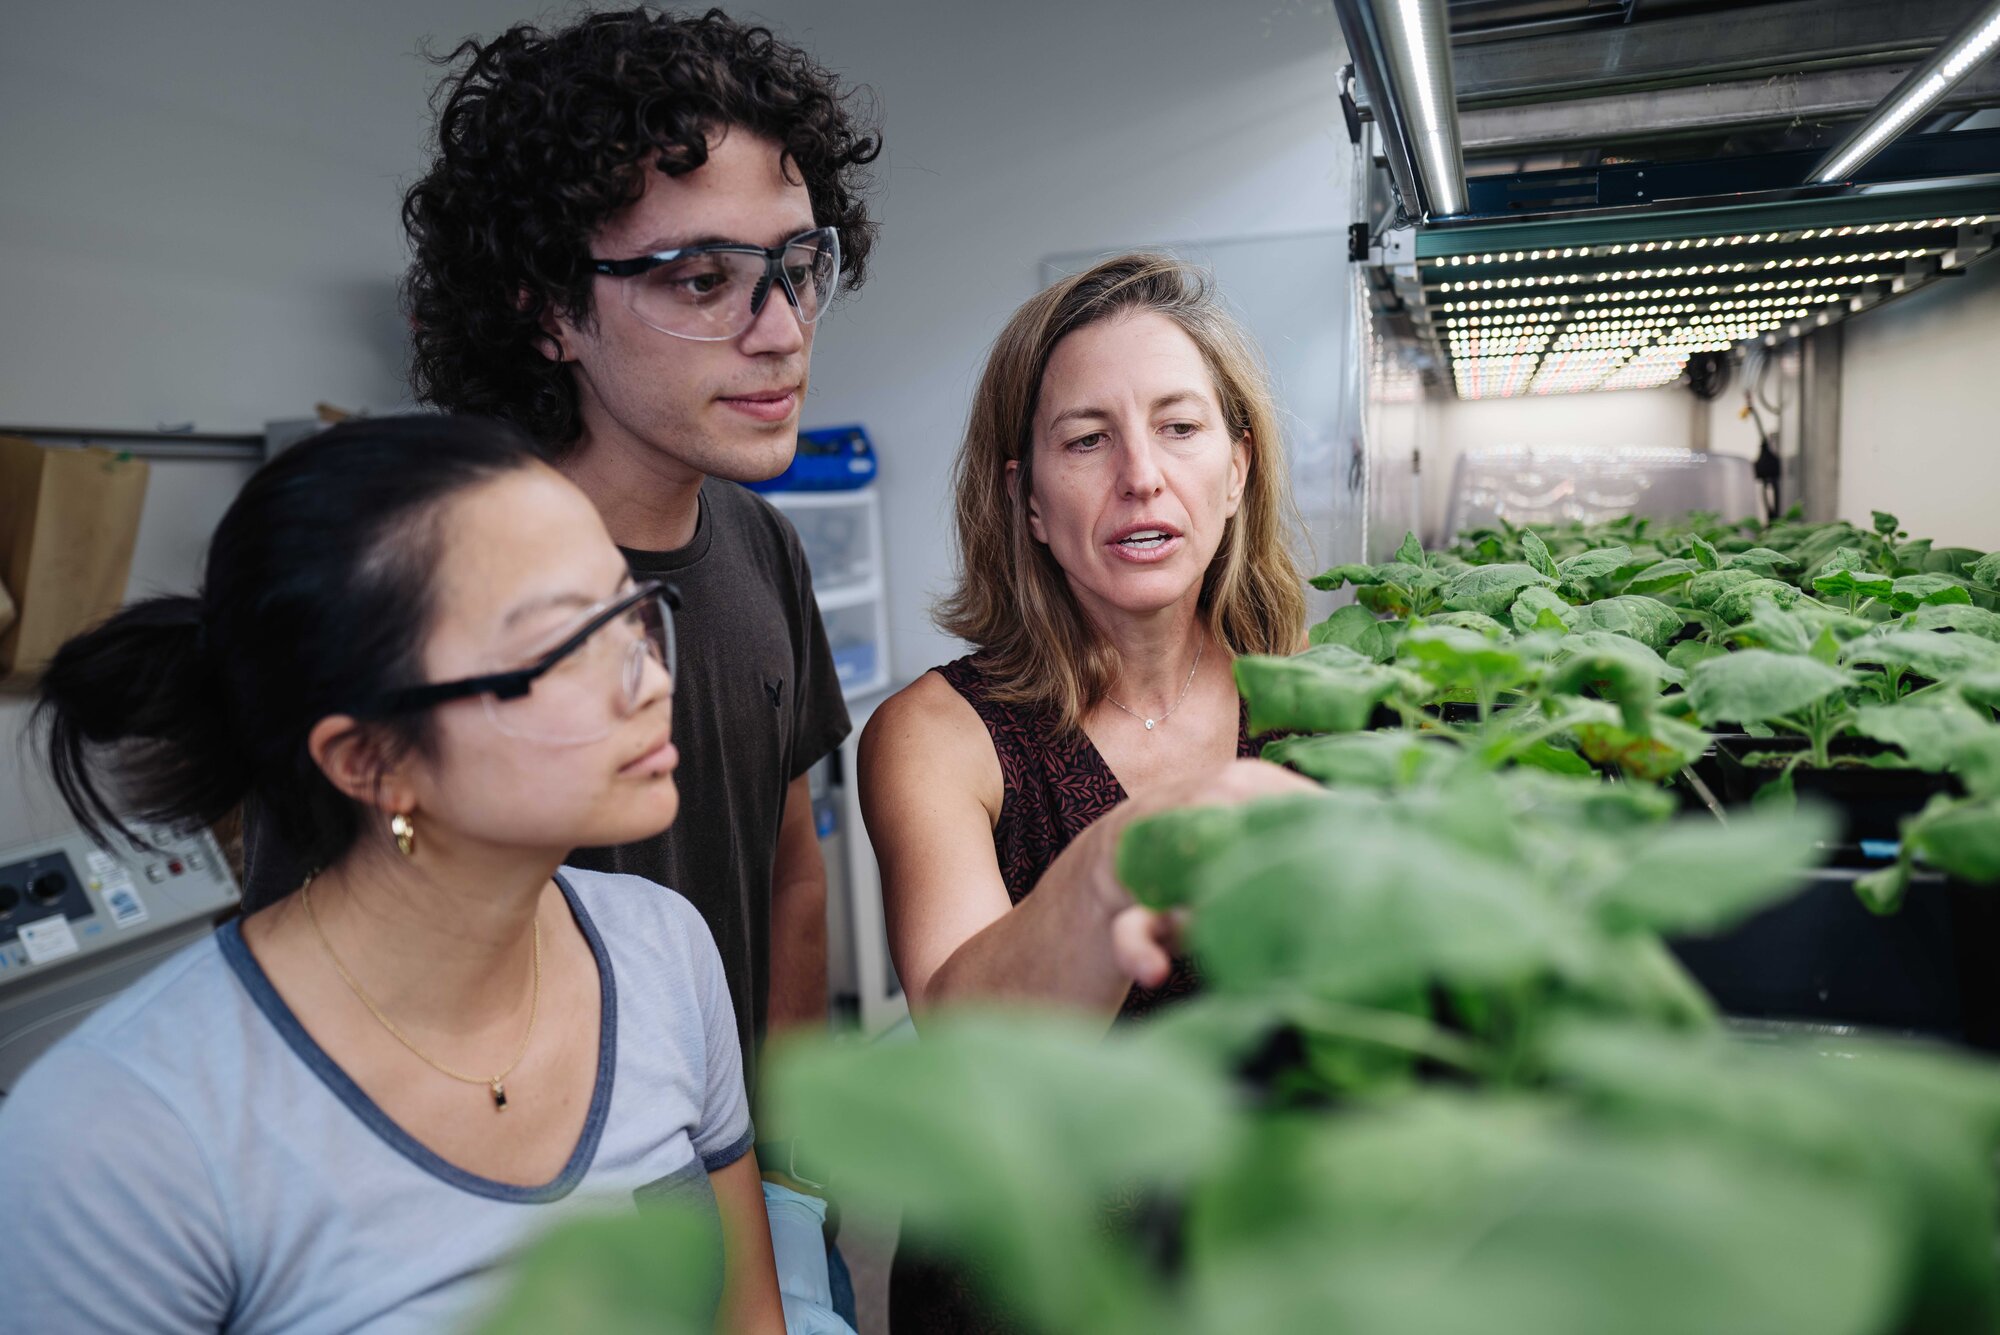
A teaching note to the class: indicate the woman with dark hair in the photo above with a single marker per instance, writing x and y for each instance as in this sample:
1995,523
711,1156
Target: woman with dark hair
418,655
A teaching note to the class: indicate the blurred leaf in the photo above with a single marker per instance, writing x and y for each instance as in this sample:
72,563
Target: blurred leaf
1378,761
1756,685
1330,688
1986,570
1706,588
1410,551
1355,628
1162,860
1966,620
1529,609
659,1273
1000,1136
1705,554
1700,876
1760,559
1446,1216
1929,732
1472,621
1914,591
1933,654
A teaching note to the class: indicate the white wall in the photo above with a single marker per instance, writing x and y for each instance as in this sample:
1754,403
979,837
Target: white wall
1920,411
1644,417
198,214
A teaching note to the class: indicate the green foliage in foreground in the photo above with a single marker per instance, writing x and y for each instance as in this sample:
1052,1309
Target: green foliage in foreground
1445,1079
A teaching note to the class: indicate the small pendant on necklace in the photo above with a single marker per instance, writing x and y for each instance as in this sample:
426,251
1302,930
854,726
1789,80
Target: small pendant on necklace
499,1096
1149,725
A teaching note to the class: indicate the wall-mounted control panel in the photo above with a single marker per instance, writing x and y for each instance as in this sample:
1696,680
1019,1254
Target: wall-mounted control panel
79,922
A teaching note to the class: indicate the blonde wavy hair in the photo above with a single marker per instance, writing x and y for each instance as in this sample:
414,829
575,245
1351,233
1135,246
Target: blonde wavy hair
1011,601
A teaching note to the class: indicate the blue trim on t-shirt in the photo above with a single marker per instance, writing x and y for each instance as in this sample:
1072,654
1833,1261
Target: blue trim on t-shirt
720,1159
251,974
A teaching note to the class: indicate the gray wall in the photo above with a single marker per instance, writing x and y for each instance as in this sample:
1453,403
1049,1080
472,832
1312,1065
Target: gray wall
198,215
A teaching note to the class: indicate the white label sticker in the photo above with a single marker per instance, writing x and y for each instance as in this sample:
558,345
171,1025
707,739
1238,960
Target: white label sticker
49,939
127,909
102,865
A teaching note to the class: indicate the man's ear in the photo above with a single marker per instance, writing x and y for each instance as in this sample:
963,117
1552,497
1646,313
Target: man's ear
558,334
355,761
1013,493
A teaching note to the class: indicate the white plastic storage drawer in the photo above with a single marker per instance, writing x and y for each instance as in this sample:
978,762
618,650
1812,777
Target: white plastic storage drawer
853,631
833,526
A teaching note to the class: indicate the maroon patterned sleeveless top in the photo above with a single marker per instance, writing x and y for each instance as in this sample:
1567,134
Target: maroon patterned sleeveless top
1056,784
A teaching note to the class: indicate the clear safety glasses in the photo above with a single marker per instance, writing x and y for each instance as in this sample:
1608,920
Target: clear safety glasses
713,292
580,690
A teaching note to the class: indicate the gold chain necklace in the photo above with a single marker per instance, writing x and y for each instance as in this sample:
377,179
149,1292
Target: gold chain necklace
494,1083
1151,723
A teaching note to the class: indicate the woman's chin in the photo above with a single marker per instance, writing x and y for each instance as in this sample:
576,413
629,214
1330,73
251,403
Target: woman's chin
641,819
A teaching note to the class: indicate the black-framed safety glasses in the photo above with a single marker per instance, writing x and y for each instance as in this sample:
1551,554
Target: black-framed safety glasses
579,690
716,290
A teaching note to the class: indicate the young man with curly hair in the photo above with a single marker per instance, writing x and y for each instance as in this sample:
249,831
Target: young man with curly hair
623,244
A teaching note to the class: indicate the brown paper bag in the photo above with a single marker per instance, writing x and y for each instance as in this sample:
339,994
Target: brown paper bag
68,521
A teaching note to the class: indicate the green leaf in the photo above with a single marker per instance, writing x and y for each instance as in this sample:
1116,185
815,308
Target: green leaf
1705,589
1352,573
1538,554
1885,523
1473,621
999,1136
1410,551
1961,836
1930,733
1444,1215
1960,617
1763,560
1986,570
1347,905
1577,572
1705,555
1756,685
1329,688
1654,755
1530,609
1687,654
1774,628
1382,761
1355,628
1933,654
1737,604
1977,762
1161,859
1491,590
1882,891
1662,575
1698,876
1914,591
1852,584
656,1273
1647,620
1454,657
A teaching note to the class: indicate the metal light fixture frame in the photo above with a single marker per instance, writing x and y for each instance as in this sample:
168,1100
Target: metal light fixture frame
1402,51
1927,85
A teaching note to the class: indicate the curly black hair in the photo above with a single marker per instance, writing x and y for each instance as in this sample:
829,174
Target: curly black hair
543,136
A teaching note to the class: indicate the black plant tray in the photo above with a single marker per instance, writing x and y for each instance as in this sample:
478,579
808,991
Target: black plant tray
1872,801
1932,967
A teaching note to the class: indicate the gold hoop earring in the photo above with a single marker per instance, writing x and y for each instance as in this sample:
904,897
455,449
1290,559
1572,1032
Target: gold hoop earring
405,831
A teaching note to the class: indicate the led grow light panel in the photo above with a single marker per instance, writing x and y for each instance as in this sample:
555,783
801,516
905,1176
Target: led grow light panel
1629,314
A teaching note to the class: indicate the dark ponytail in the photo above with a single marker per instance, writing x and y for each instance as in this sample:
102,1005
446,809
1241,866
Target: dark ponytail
317,598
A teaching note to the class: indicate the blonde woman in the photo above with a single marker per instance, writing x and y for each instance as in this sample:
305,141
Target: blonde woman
1121,512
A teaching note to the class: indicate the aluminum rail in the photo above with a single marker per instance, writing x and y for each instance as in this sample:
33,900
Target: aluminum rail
1926,86
1402,52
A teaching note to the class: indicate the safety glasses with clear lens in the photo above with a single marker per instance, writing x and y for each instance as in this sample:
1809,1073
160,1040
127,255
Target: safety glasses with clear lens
580,690
715,291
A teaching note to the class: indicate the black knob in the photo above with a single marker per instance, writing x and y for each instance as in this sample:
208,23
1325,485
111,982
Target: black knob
9,897
48,889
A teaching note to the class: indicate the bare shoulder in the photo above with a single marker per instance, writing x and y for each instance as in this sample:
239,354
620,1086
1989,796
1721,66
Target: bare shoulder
928,734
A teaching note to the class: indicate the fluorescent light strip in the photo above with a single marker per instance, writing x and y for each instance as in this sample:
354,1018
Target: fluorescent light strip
1916,95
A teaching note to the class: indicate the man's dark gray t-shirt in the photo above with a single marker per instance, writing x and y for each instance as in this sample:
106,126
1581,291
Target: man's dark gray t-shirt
756,704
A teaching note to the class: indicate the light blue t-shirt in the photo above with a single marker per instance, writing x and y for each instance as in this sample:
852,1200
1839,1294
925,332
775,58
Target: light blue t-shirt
190,1160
